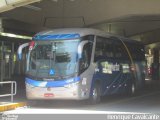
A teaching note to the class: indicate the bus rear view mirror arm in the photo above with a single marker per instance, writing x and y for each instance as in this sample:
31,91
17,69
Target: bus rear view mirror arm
20,50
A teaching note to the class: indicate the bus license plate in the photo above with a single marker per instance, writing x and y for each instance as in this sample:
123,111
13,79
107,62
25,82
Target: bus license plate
48,95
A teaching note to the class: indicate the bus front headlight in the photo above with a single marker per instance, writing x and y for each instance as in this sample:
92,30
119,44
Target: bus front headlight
71,85
29,86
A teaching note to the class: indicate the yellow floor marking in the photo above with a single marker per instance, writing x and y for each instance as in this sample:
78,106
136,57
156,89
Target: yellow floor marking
11,106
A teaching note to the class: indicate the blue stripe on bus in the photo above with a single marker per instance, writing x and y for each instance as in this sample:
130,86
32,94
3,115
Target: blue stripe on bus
56,37
59,83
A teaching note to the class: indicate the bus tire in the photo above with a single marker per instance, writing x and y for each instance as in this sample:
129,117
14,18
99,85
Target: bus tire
95,95
132,90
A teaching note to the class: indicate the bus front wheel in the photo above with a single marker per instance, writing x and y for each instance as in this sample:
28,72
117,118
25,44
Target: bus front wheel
95,95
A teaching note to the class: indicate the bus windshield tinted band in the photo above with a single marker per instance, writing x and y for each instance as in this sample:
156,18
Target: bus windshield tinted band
56,37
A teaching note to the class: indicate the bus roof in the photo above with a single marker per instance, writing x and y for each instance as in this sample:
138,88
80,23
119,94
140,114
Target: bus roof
80,31
71,33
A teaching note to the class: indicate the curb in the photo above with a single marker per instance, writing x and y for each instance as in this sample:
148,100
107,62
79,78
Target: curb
11,106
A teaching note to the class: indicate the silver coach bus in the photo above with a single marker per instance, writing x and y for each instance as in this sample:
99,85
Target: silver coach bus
82,64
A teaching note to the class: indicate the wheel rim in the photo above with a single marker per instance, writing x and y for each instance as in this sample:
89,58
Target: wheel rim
95,94
133,89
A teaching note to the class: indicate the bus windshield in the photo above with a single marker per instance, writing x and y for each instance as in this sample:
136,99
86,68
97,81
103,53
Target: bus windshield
53,59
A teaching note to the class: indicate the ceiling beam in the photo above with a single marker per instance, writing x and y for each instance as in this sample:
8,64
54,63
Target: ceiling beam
6,5
19,27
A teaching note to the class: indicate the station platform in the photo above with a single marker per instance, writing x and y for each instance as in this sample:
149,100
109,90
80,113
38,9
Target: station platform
19,100
5,106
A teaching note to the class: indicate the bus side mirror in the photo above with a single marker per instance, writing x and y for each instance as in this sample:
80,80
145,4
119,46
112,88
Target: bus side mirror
80,48
20,48
82,65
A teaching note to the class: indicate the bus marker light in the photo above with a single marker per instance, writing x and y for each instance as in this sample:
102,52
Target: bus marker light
133,68
31,45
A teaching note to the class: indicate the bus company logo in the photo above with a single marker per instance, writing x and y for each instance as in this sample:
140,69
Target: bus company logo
9,117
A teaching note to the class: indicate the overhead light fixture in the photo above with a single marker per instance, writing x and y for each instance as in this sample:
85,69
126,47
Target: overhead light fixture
55,0
32,7
15,35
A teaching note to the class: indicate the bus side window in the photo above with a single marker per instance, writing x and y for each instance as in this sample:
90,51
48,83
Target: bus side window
120,50
136,51
86,57
104,49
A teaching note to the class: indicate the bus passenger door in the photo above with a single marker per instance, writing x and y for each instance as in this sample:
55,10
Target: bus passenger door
108,68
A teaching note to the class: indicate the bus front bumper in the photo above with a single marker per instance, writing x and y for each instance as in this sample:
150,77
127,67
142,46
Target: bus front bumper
66,92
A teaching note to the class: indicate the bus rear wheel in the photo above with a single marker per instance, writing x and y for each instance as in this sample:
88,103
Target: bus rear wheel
132,90
95,95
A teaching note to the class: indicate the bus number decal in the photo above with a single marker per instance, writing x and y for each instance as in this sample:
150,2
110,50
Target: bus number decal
109,67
